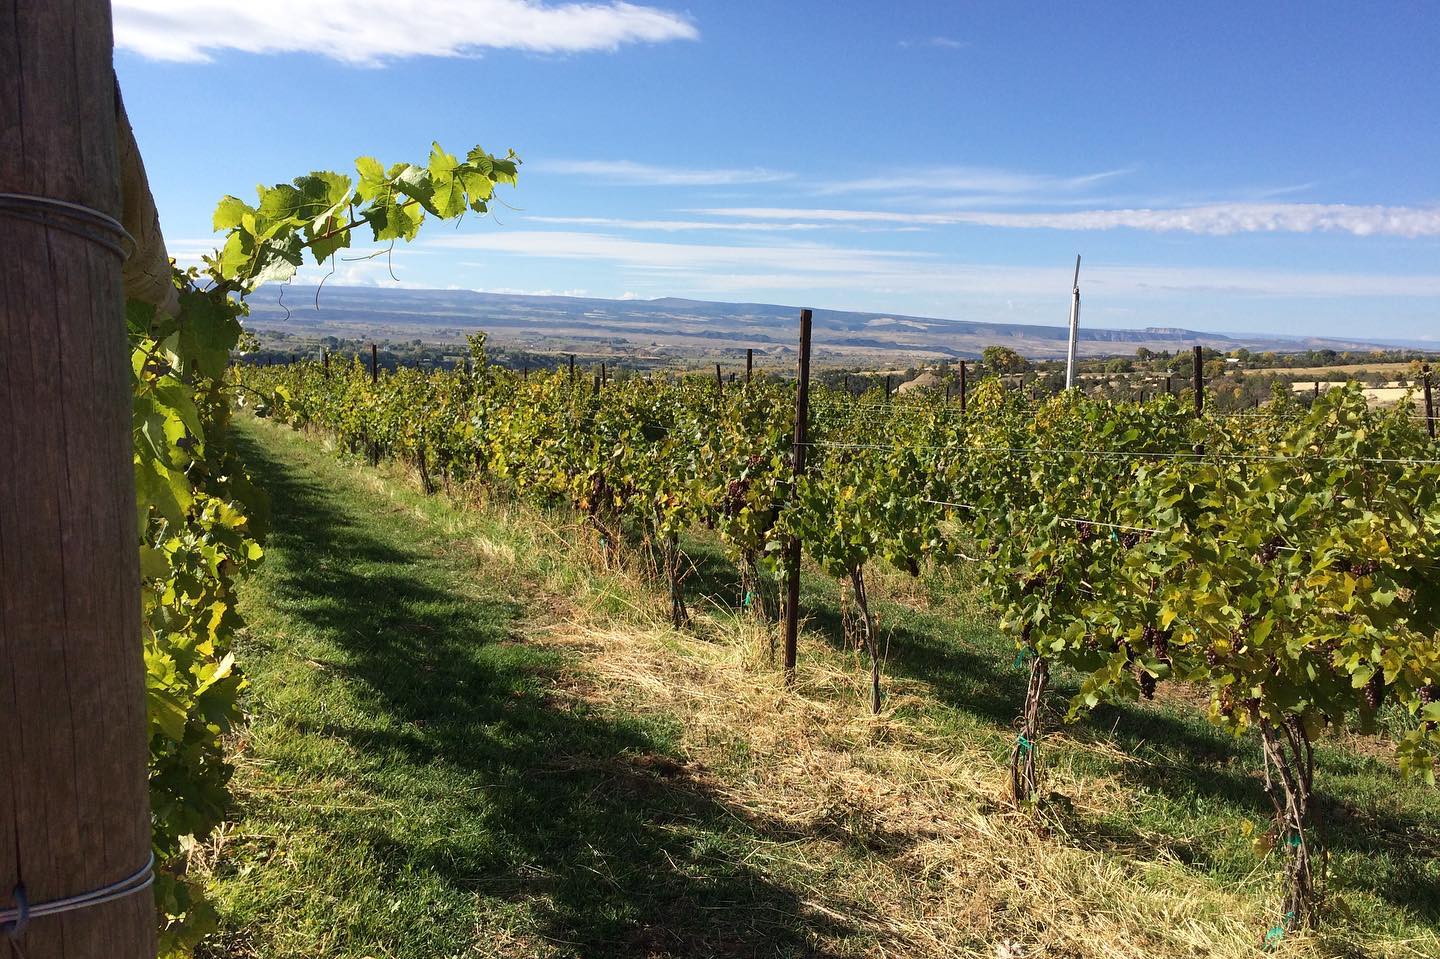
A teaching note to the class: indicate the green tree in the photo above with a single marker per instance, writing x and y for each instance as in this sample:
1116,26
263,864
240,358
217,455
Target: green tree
1002,359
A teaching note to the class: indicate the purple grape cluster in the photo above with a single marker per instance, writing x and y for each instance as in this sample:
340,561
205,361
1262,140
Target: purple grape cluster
1374,692
1147,683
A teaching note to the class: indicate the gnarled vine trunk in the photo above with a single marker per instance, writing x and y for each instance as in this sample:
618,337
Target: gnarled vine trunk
755,591
861,626
1289,778
1024,761
672,556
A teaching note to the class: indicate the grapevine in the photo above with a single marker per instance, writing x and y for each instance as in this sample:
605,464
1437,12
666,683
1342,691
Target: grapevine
1289,569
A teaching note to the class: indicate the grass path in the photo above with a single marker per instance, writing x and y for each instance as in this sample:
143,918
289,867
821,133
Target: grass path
412,784
466,741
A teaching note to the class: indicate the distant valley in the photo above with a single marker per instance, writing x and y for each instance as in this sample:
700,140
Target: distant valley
678,329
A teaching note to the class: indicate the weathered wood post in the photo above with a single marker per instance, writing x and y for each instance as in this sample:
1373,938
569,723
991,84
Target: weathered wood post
374,363
797,461
74,808
719,381
572,369
749,364
325,361
962,387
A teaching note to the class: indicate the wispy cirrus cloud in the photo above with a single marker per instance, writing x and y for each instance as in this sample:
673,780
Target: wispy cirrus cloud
971,179
632,173
372,32
812,258
750,268
938,42
689,226
1215,219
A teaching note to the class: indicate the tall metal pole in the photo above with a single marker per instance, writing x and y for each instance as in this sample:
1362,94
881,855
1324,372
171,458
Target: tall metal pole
792,548
1074,327
1197,374
1429,404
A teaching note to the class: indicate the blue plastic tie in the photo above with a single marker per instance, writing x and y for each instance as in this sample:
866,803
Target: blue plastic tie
15,929
1277,933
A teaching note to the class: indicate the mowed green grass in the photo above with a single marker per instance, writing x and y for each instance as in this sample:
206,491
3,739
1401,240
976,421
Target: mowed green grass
415,782
408,786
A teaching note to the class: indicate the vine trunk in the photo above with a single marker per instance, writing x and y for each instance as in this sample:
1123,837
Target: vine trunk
1024,770
1289,778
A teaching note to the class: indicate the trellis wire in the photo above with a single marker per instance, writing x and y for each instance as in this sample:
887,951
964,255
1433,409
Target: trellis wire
50,212
1135,454
14,920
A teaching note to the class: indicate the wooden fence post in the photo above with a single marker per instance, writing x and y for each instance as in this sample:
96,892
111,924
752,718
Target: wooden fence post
1429,403
602,374
797,460
749,363
962,387
887,388
325,361
719,381
374,363
74,810
572,369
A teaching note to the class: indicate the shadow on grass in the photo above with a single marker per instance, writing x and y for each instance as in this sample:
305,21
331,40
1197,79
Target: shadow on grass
582,819
1390,854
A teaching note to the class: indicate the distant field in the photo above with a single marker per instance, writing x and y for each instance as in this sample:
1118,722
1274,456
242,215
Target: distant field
1323,372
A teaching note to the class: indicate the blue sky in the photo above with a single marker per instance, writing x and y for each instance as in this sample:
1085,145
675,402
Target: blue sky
1221,166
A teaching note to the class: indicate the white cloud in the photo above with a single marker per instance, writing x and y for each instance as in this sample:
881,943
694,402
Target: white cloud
1216,219
370,32
630,173
653,255
518,291
968,179
943,43
747,269
680,226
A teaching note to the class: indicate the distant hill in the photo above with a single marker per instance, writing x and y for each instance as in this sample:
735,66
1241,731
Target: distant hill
696,328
